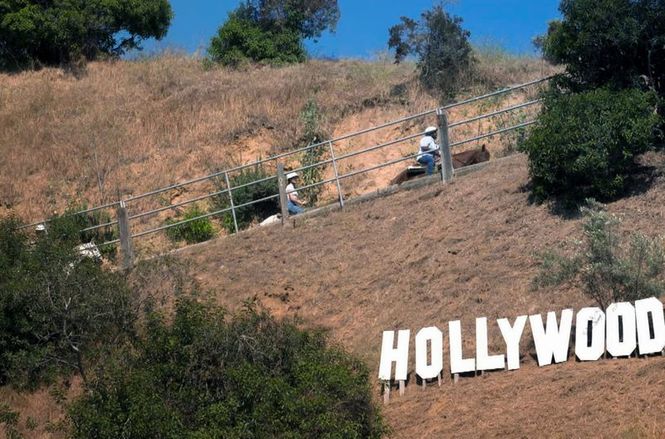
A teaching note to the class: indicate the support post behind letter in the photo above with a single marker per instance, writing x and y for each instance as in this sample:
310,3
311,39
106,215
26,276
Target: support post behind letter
125,233
281,181
446,157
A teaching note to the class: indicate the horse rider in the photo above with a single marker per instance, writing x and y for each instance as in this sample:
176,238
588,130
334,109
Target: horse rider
429,150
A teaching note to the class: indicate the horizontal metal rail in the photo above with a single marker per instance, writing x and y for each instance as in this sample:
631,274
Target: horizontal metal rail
355,153
337,139
495,113
99,226
330,180
174,206
496,93
92,209
207,215
493,133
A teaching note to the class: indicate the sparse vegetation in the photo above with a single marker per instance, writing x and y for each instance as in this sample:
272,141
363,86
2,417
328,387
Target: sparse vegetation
255,212
311,116
584,145
198,230
606,267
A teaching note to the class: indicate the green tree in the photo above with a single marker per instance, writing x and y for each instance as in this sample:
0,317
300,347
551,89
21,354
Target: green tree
585,144
445,56
211,375
35,33
241,40
272,31
615,43
55,308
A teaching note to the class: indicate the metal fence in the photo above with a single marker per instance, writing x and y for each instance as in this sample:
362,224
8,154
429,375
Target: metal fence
123,218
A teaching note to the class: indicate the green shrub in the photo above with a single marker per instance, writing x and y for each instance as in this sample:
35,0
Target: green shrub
310,116
9,418
70,230
445,56
199,230
35,33
255,212
209,375
608,269
239,41
55,309
617,43
584,145
271,31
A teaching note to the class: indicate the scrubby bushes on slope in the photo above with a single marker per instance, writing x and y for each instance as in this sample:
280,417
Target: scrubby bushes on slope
608,269
198,230
150,373
212,375
585,144
253,192
54,309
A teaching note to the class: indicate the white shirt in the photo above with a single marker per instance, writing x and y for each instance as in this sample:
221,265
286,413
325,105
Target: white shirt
427,146
291,191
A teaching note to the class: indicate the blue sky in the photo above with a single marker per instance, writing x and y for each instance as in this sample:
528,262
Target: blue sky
363,27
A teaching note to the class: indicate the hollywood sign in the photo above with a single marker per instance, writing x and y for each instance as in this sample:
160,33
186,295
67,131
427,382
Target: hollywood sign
619,331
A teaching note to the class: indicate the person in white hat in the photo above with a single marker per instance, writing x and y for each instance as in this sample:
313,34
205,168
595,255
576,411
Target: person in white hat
429,150
293,202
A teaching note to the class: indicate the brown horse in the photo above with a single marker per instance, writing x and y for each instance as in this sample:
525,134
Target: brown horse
460,160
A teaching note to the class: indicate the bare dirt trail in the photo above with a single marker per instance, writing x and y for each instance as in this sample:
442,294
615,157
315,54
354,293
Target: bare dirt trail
428,256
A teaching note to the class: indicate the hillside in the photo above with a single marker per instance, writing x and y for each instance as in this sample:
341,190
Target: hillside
128,127
424,257
414,259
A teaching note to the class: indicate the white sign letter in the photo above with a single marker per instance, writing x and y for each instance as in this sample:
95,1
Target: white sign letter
424,369
399,355
512,336
485,361
592,319
553,340
616,345
643,308
458,364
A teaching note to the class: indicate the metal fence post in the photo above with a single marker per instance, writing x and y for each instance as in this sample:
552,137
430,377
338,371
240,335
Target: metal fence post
281,181
125,232
446,157
339,187
233,209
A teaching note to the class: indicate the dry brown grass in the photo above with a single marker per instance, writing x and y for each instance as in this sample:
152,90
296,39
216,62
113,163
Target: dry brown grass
131,126
425,257
127,127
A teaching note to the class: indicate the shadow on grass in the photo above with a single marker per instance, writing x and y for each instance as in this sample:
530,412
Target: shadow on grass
640,179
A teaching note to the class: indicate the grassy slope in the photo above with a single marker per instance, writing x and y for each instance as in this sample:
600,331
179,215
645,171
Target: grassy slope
129,127
167,119
437,254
